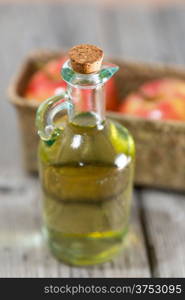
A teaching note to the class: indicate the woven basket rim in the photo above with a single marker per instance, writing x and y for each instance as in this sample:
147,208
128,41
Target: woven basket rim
32,56
140,120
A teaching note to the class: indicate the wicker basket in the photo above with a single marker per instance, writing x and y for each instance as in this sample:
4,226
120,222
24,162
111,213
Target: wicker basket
160,145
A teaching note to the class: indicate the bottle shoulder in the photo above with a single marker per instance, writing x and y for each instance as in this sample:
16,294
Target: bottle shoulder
79,145
121,138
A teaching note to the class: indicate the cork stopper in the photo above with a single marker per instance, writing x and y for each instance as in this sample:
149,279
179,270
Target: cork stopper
86,59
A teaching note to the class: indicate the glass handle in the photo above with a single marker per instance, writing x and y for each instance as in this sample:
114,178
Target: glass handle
47,129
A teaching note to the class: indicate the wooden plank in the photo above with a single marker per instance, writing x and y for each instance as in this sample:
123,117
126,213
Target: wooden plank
23,252
145,33
20,238
164,219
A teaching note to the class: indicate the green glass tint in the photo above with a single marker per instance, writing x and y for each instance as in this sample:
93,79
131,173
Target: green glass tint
86,171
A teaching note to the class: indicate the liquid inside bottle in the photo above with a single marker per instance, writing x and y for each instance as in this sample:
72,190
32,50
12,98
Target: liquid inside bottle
86,175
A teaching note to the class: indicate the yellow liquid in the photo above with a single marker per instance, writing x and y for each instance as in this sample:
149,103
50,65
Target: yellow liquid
87,185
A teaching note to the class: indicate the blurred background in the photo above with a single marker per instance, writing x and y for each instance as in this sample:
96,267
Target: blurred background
145,30
142,30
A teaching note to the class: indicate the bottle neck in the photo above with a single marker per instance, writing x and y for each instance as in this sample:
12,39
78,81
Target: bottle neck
88,106
86,94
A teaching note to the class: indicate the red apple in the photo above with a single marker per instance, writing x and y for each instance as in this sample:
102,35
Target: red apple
53,68
163,87
111,95
158,99
41,87
45,81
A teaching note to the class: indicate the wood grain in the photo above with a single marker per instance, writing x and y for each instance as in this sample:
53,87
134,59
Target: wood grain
23,252
164,219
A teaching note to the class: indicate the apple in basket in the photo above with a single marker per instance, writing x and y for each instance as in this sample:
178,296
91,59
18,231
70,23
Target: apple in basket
44,83
160,99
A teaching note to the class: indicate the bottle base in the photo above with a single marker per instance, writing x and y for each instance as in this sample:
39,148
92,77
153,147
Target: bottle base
85,250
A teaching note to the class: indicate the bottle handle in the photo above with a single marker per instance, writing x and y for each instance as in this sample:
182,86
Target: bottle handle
47,129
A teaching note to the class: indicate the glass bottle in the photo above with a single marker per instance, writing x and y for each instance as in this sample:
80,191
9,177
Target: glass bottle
86,170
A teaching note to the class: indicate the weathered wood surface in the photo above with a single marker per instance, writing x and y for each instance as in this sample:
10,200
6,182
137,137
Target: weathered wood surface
156,242
23,252
164,218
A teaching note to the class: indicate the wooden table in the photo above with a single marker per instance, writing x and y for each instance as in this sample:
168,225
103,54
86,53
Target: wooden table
156,242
